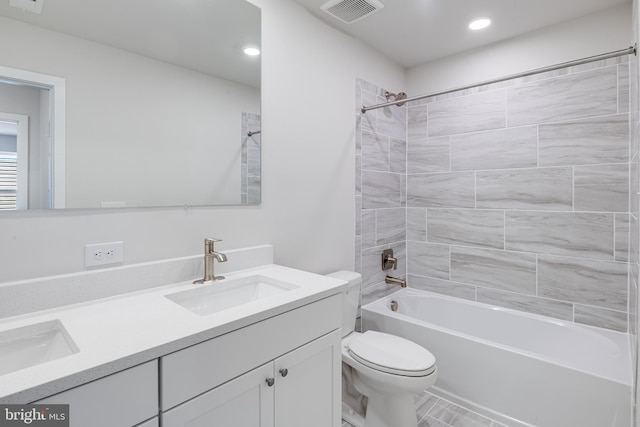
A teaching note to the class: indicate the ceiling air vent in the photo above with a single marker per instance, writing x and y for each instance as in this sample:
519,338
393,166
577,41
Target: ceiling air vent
350,11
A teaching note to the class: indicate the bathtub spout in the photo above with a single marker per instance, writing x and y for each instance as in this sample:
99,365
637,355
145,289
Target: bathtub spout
394,281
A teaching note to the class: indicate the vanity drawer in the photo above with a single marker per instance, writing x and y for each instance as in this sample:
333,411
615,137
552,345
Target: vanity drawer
194,370
123,399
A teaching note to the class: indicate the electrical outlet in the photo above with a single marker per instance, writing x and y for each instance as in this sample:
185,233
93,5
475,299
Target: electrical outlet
103,253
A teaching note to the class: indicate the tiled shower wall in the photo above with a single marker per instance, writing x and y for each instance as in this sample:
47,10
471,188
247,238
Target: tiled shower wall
381,174
250,166
634,187
514,194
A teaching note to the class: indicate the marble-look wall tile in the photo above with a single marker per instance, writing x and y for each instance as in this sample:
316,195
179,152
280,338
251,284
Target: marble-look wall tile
586,235
634,189
253,190
398,156
375,152
358,206
602,188
381,190
531,304
445,287
495,149
359,176
509,271
425,259
598,283
466,227
623,88
633,299
428,155
601,317
391,121
603,63
536,189
369,119
622,237
358,253
391,226
417,224
417,121
366,85
634,242
372,273
584,142
456,190
400,252
590,93
542,76
482,111
368,228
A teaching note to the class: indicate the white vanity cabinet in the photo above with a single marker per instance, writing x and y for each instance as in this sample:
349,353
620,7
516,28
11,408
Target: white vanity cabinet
284,371
308,384
124,399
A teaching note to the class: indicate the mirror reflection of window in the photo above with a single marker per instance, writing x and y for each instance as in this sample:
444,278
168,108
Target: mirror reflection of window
8,165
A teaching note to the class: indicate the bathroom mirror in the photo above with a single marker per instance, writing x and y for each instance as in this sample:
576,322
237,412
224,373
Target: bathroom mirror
161,104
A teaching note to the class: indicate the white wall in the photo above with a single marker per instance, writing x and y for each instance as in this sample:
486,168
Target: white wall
309,73
602,32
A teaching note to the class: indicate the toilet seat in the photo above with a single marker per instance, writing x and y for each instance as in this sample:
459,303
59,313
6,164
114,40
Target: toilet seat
391,354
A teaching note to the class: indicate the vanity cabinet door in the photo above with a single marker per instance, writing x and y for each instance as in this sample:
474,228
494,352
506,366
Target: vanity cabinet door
246,401
308,384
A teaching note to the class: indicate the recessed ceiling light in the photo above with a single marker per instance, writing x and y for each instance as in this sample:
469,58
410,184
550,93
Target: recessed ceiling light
251,51
480,23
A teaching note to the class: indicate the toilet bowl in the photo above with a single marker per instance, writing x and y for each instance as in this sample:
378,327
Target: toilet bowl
381,372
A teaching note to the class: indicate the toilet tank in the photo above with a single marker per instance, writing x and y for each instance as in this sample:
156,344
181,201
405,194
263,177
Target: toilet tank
351,300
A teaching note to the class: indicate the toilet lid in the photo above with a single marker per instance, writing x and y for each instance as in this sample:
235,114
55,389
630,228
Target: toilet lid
392,354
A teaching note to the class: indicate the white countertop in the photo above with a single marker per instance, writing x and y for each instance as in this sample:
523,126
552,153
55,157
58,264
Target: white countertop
119,332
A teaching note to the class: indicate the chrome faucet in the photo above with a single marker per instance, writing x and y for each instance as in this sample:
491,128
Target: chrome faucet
209,255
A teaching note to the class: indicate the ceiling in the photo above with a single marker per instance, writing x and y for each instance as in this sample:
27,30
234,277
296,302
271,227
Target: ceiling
412,32
202,35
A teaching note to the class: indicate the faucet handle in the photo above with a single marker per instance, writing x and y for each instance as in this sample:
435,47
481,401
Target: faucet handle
388,260
208,244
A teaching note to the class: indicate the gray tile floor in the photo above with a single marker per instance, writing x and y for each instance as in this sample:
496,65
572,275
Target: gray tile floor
435,412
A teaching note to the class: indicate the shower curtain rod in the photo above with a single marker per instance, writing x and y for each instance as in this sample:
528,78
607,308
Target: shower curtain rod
613,54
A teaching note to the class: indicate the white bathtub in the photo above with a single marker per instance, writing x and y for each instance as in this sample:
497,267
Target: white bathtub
518,368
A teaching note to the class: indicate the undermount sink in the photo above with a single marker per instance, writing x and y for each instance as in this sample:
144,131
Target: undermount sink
32,345
217,296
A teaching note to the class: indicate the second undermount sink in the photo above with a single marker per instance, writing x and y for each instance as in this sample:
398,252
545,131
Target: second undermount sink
217,296
32,345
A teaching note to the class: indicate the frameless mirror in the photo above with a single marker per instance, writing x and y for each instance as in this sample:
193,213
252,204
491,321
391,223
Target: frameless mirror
129,104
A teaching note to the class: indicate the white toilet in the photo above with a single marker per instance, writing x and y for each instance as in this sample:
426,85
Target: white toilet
387,369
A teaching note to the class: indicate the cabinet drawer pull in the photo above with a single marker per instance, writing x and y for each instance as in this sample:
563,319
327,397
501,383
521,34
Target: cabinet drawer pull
284,372
270,381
